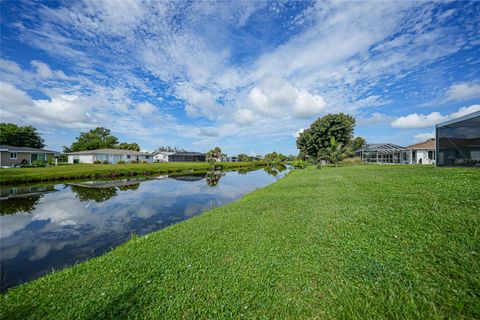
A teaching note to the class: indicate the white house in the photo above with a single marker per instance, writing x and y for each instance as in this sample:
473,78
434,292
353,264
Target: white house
162,156
423,152
110,155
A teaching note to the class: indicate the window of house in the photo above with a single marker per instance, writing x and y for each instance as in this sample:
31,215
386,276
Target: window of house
147,157
431,155
13,155
128,156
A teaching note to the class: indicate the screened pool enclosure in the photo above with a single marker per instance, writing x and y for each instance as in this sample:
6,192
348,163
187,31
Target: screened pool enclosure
458,142
384,153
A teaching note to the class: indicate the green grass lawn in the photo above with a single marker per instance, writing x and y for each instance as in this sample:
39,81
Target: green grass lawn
364,242
62,172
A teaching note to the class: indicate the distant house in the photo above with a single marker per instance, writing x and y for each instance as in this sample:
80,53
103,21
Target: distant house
383,153
230,159
458,141
110,155
423,152
12,156
179,156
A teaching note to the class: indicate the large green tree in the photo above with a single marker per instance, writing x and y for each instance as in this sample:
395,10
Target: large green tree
98,138
318,137
129,146
20,136
357,143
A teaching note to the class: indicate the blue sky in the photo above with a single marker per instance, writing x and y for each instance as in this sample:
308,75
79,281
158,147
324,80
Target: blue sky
243,75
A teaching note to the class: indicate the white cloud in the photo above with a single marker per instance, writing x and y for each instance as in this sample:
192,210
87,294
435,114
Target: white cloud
146,108
43,70
424,136
297,134
463,91
244,116
465,110
277,98
416,120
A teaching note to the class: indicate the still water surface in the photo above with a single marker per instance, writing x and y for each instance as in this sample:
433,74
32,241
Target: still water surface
49,227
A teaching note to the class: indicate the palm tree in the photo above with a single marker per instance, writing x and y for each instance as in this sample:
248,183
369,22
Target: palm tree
334,153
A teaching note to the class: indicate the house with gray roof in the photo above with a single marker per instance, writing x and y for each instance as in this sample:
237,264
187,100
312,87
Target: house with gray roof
11,156
179,156
109,155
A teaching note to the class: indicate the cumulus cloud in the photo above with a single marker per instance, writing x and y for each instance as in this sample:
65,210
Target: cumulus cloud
424,136
297,134
463,91
465,110
276,98
416,120
244,116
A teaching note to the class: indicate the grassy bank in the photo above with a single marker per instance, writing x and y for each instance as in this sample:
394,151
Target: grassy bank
352,242
80,171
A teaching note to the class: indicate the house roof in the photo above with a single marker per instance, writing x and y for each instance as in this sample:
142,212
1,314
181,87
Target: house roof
111,151
181,153
167,153
429,144
23,149
381,147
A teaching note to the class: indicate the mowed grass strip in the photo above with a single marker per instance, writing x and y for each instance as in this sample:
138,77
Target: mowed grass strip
359,242
64,172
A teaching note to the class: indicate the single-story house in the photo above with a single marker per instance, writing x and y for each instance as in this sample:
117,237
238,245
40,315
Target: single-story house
458,141
110,155
230,159
179,156
13,156
423,152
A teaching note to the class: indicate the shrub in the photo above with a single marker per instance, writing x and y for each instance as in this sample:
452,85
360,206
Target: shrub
121,162
299,164
51,162
144,161
97,162
352,161
134,161
106,162
39,163
24,163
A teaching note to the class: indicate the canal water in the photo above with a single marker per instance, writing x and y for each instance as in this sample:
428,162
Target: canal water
49,227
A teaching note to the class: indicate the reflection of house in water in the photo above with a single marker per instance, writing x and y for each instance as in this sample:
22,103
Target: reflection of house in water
104,190
19,192
190,177
22,199
99,184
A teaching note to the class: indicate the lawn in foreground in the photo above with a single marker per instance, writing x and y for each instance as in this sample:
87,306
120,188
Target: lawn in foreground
24,175
352,242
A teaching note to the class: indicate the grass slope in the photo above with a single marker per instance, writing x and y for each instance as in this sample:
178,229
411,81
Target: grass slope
63,172
359,242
